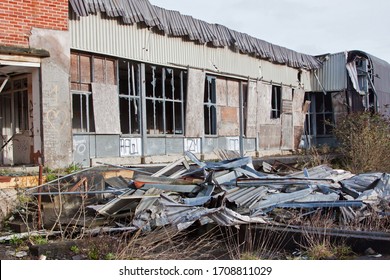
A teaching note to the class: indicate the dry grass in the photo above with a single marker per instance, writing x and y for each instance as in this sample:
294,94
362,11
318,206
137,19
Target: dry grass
315,156
167,243
364,141
252,242
318,244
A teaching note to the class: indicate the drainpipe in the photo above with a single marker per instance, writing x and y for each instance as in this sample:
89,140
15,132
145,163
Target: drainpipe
241,112
143,114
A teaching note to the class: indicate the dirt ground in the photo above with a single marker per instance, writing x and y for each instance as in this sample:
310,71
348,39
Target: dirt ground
110,248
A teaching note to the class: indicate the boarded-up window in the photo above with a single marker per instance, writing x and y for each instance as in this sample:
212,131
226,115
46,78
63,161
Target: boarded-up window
104,71
80,72
106,108
86,69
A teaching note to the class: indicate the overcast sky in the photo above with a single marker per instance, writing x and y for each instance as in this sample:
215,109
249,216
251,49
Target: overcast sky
308,26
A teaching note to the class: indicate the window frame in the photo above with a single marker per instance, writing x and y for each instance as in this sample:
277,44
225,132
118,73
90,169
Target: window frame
132,97
276,102
81,87
161,94
314,116
19,99
210,106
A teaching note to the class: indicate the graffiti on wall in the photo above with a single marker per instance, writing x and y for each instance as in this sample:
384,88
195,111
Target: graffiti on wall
192,145
130,147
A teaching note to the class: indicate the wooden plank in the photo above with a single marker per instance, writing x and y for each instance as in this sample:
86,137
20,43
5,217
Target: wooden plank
106,108
251,112
195,119
287,132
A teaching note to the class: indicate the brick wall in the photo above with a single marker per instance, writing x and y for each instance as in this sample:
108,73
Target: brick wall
17,17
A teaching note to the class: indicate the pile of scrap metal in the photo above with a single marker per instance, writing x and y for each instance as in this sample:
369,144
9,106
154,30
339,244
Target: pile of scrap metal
227,193
231,193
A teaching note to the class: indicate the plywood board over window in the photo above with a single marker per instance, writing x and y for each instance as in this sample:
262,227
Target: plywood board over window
229,121
194,109
251,110
287,119
299,114
106,108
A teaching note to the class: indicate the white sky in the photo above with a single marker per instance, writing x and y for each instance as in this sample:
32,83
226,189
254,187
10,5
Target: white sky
308,26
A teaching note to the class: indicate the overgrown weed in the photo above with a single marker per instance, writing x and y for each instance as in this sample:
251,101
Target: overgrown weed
364,142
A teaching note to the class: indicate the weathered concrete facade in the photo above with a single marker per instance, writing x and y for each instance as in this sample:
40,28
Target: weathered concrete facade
34,74
55,102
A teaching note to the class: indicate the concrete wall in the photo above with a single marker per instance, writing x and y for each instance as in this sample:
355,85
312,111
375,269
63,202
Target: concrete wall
56,102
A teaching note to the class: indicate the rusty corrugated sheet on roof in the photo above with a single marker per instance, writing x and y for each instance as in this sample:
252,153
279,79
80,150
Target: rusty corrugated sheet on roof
175,24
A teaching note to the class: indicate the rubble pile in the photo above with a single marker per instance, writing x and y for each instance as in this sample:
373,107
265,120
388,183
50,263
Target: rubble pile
228,193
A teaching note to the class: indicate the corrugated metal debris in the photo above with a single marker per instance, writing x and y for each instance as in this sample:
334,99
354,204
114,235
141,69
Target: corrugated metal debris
175,24
231,193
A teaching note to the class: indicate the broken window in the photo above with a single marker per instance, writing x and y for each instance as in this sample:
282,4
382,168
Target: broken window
320,116
165,100
129,97
85,70
276,101
210,106
14,102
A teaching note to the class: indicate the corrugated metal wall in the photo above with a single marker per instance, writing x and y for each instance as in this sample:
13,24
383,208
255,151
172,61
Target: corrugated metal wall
333,74
108,36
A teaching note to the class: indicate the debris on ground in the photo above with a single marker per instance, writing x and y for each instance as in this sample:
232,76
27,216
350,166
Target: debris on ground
190,192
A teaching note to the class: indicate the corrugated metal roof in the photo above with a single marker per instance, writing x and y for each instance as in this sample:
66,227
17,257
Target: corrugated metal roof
175,24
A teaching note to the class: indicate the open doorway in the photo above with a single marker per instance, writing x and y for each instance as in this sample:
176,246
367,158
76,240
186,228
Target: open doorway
17,116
